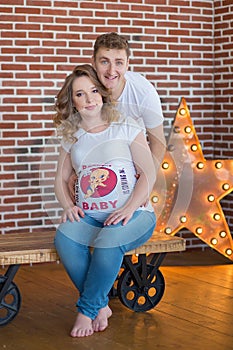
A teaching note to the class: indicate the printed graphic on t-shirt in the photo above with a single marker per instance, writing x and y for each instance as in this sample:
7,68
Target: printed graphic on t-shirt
99,182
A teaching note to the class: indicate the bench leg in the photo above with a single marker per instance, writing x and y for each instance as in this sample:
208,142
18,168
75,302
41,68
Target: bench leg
10,299
141,285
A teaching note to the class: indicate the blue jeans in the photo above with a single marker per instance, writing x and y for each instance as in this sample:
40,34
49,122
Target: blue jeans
93,273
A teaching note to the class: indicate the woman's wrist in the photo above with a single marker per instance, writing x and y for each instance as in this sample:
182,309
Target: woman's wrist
69,206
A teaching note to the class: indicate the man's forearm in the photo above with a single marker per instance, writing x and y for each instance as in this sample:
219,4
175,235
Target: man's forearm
157,145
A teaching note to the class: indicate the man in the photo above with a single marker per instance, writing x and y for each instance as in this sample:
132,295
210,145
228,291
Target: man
135,95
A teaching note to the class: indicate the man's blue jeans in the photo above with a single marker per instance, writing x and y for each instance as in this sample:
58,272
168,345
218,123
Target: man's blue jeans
93,273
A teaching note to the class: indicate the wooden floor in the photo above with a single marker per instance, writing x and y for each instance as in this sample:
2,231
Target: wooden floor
195,312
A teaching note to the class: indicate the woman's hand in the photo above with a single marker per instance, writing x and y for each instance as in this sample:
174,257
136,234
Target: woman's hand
123,214
72,213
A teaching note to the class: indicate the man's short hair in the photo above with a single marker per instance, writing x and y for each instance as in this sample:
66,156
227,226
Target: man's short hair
111,41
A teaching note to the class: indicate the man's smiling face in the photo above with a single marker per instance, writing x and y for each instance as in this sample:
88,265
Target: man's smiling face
111,66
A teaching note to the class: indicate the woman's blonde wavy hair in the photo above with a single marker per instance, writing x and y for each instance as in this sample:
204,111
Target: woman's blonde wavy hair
67,118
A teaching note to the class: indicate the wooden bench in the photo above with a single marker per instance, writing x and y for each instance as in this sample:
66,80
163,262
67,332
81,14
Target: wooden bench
140,284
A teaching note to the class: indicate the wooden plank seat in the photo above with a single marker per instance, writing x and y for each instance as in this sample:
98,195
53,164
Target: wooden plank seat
140,284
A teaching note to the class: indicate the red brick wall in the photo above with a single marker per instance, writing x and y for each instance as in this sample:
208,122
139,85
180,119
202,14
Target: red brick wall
181,46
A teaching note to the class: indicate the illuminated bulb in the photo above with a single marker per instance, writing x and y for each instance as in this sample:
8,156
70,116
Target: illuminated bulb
168,230
155,199
187,129
217,217
214,241
194,148
211,198
183,219
200,165
199,230
165,165
228,251
182,111
218,165
225,187
222,234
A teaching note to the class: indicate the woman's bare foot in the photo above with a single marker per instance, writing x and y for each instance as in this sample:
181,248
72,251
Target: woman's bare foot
82,327
100,323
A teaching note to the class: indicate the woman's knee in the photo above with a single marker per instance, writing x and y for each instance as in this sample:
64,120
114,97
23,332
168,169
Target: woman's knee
138,230
61,242
144,227
82,232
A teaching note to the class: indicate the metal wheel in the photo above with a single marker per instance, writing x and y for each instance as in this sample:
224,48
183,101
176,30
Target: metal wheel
141,298
10,302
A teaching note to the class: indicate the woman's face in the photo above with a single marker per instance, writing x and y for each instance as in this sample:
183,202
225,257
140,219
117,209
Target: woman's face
86,98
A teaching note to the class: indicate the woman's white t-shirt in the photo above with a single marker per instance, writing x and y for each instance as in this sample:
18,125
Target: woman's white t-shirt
104,166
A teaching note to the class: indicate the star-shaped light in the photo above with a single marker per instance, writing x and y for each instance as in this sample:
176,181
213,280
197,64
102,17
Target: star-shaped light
189,188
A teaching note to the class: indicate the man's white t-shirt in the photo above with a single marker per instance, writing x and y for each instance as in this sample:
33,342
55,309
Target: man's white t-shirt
141,101
104,166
